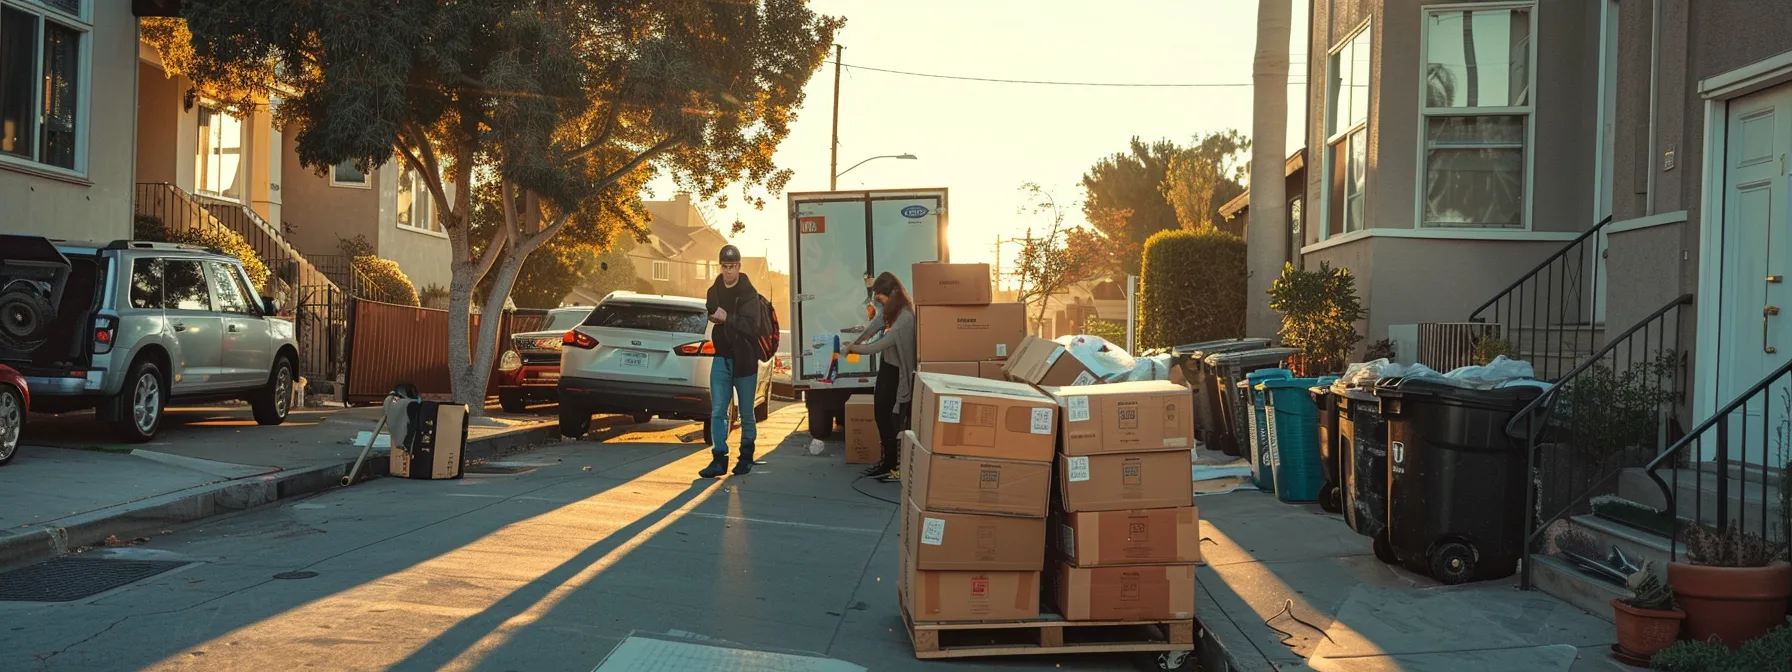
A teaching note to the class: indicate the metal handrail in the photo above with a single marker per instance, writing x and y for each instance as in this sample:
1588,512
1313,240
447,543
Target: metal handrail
1475,316
1549,396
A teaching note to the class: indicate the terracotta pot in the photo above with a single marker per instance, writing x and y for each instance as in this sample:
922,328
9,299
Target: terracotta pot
1732,604
1645,631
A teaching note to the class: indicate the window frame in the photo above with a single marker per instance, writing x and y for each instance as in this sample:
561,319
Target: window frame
365,183
1329,139
662,271
423,205
83,25
242,163
1421,171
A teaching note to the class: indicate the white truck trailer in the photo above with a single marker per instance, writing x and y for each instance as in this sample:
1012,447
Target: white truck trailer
839,242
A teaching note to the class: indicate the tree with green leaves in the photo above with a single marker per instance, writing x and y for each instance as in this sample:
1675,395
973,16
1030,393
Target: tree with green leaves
1202,178
1123,198
565,107
1052,261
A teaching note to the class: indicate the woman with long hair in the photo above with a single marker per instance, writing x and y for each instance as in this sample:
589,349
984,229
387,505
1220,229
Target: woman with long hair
890,334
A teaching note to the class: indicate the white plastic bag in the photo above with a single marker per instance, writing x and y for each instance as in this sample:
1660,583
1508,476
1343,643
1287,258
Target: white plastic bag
1107,361
1493,374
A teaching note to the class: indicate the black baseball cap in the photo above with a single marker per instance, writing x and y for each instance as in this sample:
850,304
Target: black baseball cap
730,254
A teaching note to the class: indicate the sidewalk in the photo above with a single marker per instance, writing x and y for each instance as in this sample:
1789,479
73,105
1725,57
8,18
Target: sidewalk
72,485
1270,563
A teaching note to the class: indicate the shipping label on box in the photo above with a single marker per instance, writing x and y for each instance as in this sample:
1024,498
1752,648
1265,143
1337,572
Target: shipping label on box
984,418
1042,362
940,284
1130,593
970,333
863,443
1133,537
941,540
1126,417
959,484
1121,481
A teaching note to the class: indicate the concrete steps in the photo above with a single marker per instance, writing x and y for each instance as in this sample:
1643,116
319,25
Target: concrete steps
1560,579
1697,499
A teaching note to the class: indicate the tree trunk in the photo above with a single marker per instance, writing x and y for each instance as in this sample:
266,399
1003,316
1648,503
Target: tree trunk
1266,235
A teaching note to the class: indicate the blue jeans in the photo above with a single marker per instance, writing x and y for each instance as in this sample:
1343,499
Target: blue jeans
723,386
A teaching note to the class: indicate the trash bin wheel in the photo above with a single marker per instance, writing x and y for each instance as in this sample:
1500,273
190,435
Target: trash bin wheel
1453,563
1384,549
1331,498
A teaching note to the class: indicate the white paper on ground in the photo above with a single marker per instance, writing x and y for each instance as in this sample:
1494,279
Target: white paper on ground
385,440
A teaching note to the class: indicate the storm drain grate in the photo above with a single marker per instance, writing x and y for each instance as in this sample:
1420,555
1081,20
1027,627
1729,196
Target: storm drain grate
69,579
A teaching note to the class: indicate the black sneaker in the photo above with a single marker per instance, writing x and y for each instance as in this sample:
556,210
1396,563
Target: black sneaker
745,465
718,465
878,470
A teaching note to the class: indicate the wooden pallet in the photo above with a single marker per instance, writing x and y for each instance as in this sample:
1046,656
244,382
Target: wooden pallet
1048,634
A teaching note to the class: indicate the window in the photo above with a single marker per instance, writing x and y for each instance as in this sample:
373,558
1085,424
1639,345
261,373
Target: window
415,207
1296,236
227,294
1347,135
703,270
220,162
648,318
146,284
1477,113
347,174
184,286
41,82
662,270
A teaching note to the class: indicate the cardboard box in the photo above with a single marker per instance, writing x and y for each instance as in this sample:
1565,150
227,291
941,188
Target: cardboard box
1135,537
954,415
1042,362
862,442
1130,417
934,597
1123,481
970,333
937,284
957,484
1135,593
991,371
939,540
966,369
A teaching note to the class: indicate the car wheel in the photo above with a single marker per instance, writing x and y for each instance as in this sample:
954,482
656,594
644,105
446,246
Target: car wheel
574,421
641,418
512,400
12,422
138,407
274,400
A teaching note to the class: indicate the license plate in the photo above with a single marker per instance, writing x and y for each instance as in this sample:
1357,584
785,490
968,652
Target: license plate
634,360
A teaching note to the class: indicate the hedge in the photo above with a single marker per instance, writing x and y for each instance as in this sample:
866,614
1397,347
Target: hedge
1192,288
391,283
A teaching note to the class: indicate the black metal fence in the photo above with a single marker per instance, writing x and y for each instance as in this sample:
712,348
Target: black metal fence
1553,307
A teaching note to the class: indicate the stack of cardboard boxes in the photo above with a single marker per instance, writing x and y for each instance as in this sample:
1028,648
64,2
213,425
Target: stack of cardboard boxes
960,331
977,472
1123,525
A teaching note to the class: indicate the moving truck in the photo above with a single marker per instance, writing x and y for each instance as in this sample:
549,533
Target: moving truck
839,242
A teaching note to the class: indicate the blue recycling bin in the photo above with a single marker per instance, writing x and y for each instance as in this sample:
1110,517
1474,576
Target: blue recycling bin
1252,403
1293,420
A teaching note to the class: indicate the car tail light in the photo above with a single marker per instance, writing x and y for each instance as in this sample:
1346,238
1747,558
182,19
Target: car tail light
510,361
698,349
105,332
578,340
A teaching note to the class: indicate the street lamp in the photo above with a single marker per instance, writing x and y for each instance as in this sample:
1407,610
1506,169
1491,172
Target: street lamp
833,182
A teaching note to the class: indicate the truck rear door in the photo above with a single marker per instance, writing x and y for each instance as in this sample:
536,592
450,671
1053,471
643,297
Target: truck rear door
831,264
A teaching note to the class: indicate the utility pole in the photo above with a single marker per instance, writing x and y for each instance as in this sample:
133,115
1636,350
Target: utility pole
834,145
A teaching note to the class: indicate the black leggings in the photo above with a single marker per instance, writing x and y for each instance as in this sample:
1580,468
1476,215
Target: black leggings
890,422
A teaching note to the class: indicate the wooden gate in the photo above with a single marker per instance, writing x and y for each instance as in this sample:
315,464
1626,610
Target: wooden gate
394,344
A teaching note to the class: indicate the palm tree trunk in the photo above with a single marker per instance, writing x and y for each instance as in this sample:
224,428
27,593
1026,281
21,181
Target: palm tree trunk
1266,232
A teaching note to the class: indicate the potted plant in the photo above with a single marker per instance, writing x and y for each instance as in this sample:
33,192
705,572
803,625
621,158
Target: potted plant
1733,586
1647,621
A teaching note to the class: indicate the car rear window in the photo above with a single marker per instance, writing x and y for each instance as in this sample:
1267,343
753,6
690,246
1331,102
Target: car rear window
563,320
647,318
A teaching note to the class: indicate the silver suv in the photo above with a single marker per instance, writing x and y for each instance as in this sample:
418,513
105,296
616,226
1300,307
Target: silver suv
139,324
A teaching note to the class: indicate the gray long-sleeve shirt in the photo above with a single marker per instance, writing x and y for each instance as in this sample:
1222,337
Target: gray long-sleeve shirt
897,348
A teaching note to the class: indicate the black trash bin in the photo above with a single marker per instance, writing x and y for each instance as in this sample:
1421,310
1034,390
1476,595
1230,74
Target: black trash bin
1226,370
1457,480
1363,465
1193,360
1331,475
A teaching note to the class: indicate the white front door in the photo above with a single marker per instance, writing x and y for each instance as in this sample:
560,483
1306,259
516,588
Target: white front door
1755,335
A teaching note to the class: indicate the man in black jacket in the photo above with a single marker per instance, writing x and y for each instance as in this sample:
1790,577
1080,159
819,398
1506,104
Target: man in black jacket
735,372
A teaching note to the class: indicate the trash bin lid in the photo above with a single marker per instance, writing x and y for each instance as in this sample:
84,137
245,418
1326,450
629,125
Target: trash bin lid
1284,383
1267,374
1511,398
1216,347
1356,393
1257,357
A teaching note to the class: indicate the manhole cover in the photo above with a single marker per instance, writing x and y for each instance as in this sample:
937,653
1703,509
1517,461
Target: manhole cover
69,579
295,575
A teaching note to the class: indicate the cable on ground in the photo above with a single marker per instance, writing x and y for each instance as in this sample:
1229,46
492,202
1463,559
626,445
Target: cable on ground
1288,609
855,487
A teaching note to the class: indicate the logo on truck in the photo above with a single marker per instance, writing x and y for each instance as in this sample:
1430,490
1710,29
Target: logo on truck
812,225
915,211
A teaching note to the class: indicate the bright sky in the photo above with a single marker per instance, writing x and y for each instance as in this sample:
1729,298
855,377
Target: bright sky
983,140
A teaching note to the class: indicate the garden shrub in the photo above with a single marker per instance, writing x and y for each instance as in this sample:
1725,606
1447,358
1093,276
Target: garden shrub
1320,309
1192,288
389,283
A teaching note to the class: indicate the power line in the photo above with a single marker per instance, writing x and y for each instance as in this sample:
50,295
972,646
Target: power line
966,78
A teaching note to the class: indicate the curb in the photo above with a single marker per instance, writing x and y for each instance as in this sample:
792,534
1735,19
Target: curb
148,516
